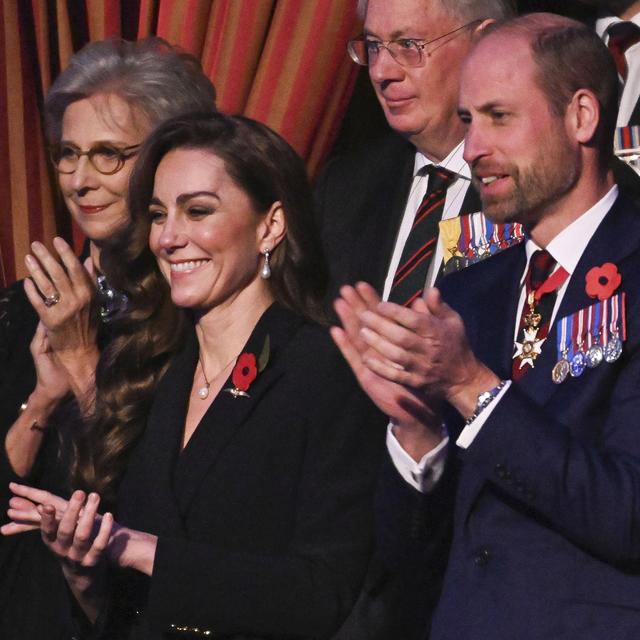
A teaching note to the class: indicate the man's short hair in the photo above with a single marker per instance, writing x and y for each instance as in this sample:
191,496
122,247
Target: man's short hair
570,56
466,10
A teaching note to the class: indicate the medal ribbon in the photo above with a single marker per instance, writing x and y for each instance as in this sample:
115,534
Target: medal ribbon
551,284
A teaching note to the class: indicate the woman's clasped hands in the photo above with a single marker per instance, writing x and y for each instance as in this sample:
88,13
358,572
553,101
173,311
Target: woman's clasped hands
76,532
72,529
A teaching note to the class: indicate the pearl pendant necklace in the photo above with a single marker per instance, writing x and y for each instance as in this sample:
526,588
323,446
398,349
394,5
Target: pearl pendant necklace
203,391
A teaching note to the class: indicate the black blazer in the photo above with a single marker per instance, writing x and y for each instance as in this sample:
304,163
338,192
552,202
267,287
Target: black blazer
360,201
33,596
264,519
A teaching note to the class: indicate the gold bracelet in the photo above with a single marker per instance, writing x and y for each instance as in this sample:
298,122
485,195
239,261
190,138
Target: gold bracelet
35,425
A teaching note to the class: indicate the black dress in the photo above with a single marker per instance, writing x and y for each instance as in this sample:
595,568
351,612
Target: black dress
34,603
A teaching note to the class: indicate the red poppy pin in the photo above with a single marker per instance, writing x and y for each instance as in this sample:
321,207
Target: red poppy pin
246,370
601,282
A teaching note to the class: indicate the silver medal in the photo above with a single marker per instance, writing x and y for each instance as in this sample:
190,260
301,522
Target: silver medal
595,355
613,349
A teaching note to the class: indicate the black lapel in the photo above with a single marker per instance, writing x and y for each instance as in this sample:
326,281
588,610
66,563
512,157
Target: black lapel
378,220
471,202
227,414
152,465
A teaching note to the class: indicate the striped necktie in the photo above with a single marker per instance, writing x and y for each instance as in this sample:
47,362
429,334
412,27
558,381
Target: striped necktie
411,274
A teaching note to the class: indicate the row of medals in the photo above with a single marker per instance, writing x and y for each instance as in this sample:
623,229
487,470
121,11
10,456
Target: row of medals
581,360
591,358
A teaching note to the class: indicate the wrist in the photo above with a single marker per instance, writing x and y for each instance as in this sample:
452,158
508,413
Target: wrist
418,440
131,549
464,396
37,408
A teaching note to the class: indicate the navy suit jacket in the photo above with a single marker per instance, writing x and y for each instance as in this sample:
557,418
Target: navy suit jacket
545,503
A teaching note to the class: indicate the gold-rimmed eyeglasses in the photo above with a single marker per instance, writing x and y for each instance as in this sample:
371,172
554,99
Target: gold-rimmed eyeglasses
408,52
105,158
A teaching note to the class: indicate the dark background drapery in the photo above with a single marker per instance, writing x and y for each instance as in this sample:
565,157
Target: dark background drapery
282,62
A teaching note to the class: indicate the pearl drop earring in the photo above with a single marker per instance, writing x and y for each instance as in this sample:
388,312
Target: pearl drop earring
265,272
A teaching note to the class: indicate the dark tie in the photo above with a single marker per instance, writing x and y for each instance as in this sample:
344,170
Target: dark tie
540,267
411,273
622,35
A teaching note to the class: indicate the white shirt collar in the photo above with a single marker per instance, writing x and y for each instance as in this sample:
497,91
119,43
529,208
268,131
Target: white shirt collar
605,20
453,162
569,245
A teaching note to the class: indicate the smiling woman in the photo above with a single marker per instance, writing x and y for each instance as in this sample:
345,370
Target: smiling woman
245,506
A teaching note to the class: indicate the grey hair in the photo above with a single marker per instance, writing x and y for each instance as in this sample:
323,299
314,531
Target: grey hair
466,10
155,78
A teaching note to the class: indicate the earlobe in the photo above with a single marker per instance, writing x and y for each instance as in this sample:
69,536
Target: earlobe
584,113
273,227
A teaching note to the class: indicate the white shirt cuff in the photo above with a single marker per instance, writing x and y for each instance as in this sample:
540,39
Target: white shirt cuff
469,433
423,475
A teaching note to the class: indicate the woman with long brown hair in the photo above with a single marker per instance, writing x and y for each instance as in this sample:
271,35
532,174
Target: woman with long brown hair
245,508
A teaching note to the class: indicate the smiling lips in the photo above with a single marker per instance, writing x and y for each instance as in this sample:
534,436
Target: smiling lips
188,265
90,210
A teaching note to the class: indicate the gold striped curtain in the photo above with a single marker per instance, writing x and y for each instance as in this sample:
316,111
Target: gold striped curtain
282,62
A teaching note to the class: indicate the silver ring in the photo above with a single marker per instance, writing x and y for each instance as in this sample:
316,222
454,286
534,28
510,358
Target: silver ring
52,300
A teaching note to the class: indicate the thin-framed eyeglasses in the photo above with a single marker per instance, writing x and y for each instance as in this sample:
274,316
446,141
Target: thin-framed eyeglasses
408,52
105,158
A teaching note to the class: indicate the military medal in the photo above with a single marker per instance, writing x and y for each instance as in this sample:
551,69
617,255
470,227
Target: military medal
595,353
595,356
590,337
471,238
613,349
531,346
579,359
617,326
578,363
562,368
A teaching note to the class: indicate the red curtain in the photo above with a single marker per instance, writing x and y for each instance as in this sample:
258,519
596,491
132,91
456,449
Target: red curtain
282,62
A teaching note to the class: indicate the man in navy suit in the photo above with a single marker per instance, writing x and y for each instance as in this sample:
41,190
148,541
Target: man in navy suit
514,403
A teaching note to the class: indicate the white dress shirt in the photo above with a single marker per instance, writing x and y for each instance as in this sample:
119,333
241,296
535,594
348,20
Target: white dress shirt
631,91
566,249
456,193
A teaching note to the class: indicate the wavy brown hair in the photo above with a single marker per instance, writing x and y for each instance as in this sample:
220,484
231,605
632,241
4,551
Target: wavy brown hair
268,170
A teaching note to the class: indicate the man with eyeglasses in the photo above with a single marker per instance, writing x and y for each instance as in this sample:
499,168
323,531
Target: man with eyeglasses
368,200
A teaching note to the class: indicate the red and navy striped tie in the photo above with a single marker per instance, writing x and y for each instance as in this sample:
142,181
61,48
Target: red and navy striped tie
411,273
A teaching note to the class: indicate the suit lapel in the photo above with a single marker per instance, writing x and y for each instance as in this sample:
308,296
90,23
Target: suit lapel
376,226
617,236
227,414
471,202
154,458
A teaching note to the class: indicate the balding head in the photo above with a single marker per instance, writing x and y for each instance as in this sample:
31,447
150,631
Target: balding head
568,56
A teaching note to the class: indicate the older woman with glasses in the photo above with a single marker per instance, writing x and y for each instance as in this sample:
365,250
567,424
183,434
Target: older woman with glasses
53,326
